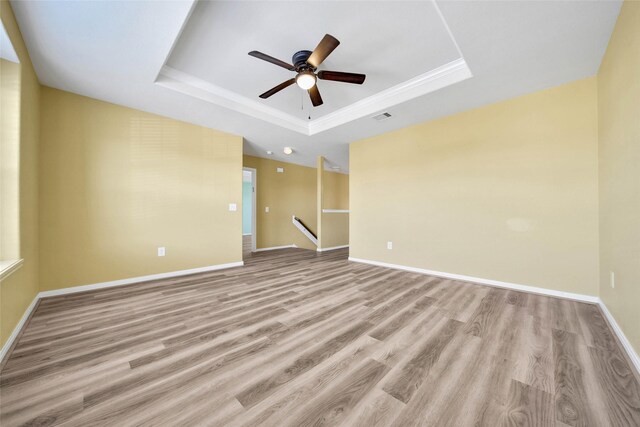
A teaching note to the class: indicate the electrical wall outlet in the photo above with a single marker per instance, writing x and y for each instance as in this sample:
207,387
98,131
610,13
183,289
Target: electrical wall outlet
389,245
280,170
233,207
161,251
266,209
612,279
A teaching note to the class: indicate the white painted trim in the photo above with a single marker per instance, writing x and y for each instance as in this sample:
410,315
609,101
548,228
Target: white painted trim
335,210
304,231
331,248
635,359
179,34
187,84
8,267
72,290
254,208
273,248
446,26
633,356
443,76
84,288
16,331
488,282
247,234
446,75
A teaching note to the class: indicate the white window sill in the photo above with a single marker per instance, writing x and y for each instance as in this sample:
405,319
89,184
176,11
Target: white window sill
9,266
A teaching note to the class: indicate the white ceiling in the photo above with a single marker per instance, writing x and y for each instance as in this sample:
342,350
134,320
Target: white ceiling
423,60
282,31
6,48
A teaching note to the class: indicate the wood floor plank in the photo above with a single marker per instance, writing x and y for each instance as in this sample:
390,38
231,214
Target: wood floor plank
332,405
296,337
306,361
528,406
414,371
534,363
621,390
571,400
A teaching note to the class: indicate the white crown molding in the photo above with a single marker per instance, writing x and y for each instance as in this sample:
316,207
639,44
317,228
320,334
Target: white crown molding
489,282
187,84
446,75
430,81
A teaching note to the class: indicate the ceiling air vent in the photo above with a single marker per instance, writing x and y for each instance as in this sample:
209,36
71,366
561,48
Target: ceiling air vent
382,116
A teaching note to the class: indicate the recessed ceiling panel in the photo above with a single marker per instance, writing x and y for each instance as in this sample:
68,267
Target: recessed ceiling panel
390,42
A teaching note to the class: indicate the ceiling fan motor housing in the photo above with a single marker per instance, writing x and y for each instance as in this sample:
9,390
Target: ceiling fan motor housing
299,60
306,76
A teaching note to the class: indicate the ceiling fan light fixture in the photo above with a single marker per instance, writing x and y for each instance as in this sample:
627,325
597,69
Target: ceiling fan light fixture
305,63
306,79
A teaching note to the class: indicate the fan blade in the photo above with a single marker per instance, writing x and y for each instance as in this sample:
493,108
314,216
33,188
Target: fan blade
277,88
314,93
271,59
324,49
338,76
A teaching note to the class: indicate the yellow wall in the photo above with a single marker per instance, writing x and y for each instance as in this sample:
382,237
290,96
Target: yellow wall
619,155
335,191
335,230
117,183
18,290
507,192
286,194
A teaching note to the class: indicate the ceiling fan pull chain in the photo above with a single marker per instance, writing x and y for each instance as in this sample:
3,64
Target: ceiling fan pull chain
305,64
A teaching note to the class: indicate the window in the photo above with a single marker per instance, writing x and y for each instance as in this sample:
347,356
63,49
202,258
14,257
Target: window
9,157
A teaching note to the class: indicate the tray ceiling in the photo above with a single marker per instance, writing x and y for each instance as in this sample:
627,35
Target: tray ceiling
423,59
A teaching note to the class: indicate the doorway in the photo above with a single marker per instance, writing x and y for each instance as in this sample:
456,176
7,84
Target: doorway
249,234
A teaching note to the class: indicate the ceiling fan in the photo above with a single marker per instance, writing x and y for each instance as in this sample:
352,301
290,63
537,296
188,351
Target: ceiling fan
305,64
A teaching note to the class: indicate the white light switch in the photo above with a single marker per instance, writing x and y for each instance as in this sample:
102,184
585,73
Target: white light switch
233,207
389,245
266,209
161,251
280,170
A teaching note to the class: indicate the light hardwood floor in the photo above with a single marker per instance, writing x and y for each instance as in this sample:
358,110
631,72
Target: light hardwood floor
296,338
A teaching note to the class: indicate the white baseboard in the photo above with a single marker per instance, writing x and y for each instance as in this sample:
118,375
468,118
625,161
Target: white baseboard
332,248
560,294
84,288
335,210
524,288
16,331
273,248
488,282
44,294
621,336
